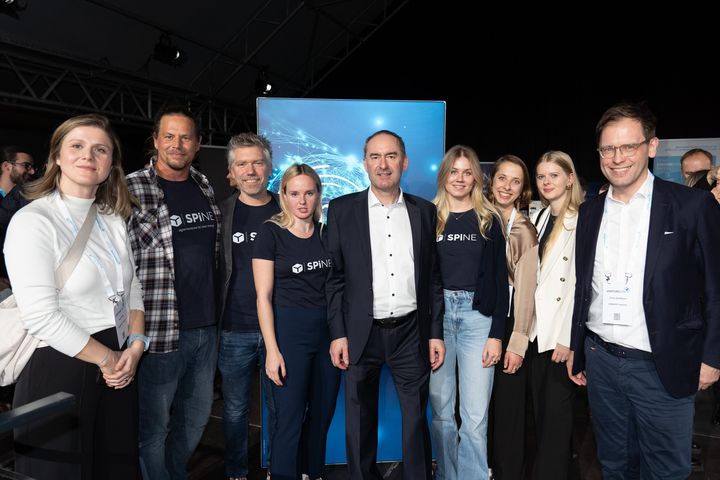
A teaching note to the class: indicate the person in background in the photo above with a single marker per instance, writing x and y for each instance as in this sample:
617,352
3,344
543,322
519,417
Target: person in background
695,160
471,252
92,331
290,266
510,191
552,393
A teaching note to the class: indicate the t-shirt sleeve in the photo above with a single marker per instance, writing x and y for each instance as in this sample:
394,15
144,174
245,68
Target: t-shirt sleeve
265,242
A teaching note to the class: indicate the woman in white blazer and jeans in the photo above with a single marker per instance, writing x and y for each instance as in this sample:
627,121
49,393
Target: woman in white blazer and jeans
552,392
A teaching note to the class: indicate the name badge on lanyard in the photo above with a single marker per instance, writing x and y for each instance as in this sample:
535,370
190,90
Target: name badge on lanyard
122,318
618,303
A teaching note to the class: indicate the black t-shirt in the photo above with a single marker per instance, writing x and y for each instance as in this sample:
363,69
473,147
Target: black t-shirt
241,307
460,248
301,265
193,236
546,234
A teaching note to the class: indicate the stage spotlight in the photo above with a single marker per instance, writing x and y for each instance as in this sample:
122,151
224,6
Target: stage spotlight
166,52
12,7
263,86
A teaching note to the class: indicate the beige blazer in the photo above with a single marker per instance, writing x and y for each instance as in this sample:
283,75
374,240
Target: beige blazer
555,292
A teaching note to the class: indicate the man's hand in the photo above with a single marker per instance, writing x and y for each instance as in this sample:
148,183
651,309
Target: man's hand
708,376
578,379
339,353
437,353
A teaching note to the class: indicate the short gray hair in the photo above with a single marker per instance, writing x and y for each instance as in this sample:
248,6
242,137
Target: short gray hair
249,139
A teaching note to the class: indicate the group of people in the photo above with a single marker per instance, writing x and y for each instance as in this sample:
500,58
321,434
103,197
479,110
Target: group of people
473,306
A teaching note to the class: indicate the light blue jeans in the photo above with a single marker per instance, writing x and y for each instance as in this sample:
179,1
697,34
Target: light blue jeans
461,454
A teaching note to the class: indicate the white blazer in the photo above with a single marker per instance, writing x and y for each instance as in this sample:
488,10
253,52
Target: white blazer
555,292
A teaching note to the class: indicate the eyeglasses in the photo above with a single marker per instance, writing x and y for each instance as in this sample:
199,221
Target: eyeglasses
627,150
26,165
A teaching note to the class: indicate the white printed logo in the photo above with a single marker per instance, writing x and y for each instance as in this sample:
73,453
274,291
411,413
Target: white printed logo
440,238
175,220
238,237
297,268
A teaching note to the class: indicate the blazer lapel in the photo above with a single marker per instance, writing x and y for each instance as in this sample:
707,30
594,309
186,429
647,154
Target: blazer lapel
415,227
658,215
590,230
362,217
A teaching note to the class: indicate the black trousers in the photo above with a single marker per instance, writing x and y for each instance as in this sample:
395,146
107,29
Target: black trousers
98,439
553,395
401,350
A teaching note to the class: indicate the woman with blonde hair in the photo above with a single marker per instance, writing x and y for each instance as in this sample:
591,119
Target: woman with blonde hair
471,252
91,330
290,267
510,191
552,391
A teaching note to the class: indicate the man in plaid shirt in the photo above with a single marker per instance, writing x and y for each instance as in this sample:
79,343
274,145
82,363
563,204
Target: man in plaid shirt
175,237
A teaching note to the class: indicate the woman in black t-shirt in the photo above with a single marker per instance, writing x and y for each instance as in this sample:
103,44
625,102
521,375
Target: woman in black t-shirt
471,251
290,266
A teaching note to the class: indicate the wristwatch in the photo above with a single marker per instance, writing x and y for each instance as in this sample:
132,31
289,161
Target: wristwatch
137,336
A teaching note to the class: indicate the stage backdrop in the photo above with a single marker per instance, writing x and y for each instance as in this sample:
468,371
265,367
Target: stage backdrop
329,135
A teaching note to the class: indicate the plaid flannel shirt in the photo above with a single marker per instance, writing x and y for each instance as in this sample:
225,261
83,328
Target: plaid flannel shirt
150,236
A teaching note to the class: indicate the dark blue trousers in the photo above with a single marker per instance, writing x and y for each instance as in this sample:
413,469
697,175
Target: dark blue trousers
305,404
636,422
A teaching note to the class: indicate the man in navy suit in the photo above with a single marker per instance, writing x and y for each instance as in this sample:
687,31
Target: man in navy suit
646,323
385,306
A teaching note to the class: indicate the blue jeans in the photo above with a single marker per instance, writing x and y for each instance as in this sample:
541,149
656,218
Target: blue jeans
176,393
635,420
463,454
239,354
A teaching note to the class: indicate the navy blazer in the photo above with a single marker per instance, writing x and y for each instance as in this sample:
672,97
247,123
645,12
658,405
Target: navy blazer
349,285
681,287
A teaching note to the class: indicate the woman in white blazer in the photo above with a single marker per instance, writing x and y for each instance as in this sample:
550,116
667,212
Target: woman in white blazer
552,392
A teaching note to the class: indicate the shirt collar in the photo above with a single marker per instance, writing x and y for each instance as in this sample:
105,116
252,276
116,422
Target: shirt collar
373,200
645,190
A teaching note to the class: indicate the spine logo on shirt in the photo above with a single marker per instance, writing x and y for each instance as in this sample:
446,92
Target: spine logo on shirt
458,237
175,220
239,237
297,268
312,265
199,217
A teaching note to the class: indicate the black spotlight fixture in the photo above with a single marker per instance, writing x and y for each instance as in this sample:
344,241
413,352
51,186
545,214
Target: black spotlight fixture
263,86
166,52
12,7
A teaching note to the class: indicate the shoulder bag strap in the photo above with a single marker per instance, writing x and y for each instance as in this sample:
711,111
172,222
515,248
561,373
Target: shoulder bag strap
75,252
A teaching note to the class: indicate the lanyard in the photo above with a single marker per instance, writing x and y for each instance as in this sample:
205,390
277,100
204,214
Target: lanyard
631,255
113,295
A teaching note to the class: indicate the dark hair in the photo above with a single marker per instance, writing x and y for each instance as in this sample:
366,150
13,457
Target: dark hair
635,111
694,151
385,132
174,109
8,153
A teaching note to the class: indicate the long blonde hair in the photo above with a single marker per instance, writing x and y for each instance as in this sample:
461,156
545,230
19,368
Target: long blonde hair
483,208
573,197
112,195
285,218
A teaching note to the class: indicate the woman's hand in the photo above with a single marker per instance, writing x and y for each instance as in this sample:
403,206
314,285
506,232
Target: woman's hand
560,354
512,362
275,367
491,352
125,368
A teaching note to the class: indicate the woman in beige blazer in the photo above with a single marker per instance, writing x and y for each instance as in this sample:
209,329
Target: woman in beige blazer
552,391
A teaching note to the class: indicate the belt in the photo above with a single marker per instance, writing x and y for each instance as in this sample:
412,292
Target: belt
619,350
392,322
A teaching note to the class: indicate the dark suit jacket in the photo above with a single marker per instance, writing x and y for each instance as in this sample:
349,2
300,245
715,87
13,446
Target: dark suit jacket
227,208
681,289
349,286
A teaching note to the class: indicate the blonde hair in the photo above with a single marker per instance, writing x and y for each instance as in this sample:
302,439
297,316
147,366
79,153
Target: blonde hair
483,208
573,197
112,195
285,218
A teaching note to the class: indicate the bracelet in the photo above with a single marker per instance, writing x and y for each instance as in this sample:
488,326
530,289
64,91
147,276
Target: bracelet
104,360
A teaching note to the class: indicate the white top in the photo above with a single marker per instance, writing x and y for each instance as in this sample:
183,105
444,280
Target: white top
393,267
623,238
38,237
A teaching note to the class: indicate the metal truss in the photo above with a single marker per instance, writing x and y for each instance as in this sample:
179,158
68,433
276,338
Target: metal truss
48,83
